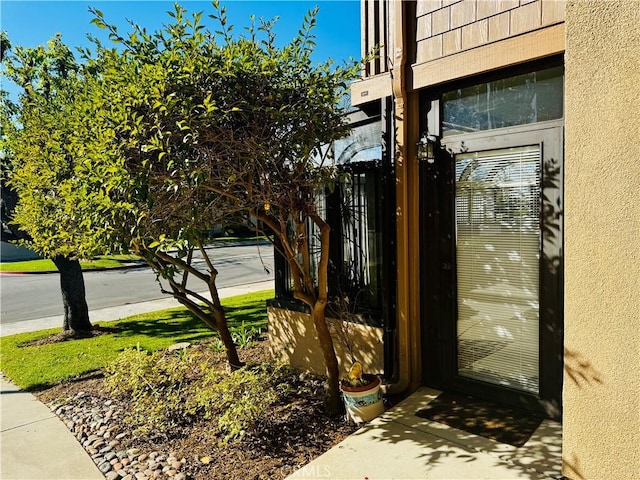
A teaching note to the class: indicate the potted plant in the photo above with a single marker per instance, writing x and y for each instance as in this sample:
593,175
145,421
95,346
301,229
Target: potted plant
361,394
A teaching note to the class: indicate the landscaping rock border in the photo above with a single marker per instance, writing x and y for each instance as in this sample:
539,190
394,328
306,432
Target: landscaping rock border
97,427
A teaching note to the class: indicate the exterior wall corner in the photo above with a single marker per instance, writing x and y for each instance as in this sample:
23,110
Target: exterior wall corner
601,425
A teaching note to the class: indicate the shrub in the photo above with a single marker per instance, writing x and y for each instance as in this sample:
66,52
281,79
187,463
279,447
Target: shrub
171,389
245,336
156,383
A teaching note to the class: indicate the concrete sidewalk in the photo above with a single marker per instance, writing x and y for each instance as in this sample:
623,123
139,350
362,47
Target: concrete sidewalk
35,444
399,445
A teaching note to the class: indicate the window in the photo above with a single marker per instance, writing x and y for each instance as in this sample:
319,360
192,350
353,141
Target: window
354,212
356,257
529,98
359,227
497,257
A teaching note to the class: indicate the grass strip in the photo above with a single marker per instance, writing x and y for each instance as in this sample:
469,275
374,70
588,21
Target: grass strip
40,366
46,265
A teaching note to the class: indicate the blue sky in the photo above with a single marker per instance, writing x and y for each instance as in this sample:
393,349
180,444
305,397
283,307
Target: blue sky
32,23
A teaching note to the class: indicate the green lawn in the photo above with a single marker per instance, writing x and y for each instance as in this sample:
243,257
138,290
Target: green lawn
37,367
46,265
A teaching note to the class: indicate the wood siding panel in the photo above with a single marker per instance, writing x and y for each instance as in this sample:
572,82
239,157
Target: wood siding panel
480,21
486,8
475,34
371,35
553,11
440,21
382,37
444,28
429,49
376,24
423,28
526,18
512,51
364,44
463,13
452,42
504,5
427,6
499,26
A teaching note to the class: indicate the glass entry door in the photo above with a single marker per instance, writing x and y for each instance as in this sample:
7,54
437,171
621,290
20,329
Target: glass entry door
497,222
491,260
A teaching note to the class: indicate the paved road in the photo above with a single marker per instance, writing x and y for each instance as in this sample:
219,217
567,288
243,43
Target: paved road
27,297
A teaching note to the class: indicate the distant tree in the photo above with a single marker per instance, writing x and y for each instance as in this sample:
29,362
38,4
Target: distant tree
236,124
8,196
5,44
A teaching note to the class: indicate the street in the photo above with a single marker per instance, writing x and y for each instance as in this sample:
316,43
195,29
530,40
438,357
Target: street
28,297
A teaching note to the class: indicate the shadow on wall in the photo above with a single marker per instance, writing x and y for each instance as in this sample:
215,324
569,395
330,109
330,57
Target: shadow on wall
580,370
583,374
571,468
293,340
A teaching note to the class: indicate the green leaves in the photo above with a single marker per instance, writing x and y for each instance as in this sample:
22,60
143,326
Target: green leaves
179,128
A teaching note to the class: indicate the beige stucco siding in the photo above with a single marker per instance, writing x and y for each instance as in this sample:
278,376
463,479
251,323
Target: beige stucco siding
294,341
601,420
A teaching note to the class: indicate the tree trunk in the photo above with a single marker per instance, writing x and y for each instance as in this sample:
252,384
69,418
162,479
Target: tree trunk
76,312
227,340
210,312
333,402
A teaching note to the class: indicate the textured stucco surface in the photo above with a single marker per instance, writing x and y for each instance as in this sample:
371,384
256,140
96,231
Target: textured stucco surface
294,341
601,420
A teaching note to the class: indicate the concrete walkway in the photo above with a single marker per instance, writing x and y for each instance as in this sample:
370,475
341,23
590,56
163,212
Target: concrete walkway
35,444
399,445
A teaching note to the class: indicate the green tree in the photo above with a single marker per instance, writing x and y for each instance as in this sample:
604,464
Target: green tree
240,124
39,165
164,223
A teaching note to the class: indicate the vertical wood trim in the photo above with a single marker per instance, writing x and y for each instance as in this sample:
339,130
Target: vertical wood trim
399,92
391,32
364,46
406,115
376,34
371,33
382,21
413,200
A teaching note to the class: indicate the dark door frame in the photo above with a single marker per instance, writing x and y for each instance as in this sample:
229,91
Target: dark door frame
439,304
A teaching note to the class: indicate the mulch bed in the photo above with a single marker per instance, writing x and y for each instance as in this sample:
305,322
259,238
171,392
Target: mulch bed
284,440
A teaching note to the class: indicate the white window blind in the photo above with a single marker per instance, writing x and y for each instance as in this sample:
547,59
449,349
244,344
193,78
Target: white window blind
497,256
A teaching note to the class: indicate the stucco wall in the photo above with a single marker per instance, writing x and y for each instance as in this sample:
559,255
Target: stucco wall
294,341
602,197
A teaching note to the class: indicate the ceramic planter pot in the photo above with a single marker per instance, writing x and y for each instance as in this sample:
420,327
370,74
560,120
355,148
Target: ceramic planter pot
363,403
